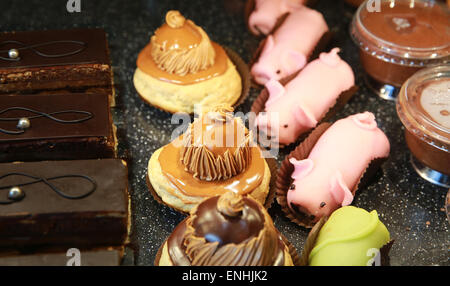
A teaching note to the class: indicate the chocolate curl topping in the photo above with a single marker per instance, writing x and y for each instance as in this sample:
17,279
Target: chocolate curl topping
230,204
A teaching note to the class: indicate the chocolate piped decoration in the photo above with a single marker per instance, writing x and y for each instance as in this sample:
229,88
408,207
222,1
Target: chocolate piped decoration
206,152
14,53
16,194
230,204
24,122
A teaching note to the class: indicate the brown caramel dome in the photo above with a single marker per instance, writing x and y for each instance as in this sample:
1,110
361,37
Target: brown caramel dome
180,47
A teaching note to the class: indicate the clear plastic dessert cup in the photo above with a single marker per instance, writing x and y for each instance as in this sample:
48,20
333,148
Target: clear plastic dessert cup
423,106
397,38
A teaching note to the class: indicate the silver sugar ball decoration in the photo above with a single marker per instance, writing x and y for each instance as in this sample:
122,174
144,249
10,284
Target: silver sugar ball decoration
24,123
16,194
13,54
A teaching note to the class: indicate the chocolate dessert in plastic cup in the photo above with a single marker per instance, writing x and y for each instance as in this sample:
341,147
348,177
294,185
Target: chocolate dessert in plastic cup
399,37
423,106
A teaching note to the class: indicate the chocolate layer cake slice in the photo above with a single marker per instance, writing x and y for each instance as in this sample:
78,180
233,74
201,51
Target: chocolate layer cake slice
65,60
54,127
71,203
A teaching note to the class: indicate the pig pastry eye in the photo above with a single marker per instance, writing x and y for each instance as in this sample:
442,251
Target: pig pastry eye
322,204
285,126
292,187
278,71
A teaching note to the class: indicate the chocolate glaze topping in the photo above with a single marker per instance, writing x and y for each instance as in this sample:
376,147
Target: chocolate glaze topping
71,47
213,236
214,226
55,116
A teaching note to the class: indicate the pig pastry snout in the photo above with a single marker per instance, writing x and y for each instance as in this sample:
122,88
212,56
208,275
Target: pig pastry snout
264,128
304,213
259,25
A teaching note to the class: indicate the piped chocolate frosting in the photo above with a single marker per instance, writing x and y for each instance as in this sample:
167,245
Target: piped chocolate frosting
216,146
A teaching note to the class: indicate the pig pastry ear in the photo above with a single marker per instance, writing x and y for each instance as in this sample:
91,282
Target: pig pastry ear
302,168
268,46
276,90
340,191
296,60
303,116
365,120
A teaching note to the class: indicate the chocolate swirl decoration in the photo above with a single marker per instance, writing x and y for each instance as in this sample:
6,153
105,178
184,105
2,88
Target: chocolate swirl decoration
36,180
230,204
41,114
23,46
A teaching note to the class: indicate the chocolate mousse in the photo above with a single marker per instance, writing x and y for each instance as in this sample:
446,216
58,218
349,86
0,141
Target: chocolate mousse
424,109
400,39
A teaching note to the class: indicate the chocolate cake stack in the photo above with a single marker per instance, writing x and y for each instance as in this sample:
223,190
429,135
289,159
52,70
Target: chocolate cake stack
61,184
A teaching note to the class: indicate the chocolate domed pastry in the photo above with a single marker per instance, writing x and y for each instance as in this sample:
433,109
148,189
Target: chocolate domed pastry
215,155
226,230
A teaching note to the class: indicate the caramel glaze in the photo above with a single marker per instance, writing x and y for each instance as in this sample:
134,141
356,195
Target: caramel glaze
184,37
182,180
146,64
210,221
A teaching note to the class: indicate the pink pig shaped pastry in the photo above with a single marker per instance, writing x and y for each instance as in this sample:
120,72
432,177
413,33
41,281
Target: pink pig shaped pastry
267,12
287,50
324,181
306,98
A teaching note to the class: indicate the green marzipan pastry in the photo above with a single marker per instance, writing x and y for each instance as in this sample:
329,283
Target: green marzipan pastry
348,238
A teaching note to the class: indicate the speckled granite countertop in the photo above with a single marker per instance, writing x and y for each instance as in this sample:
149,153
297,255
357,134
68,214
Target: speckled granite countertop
411,208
